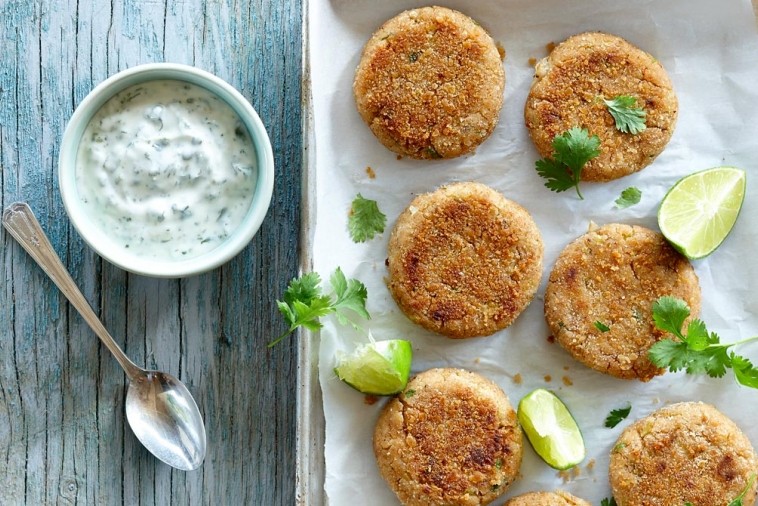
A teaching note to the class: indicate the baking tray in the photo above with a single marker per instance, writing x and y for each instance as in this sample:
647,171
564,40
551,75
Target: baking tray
309,440
310,437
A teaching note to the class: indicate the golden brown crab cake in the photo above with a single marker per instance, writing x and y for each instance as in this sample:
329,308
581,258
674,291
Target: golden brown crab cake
568,91
611,276
450,438
430,83
464,261
684,453
557,498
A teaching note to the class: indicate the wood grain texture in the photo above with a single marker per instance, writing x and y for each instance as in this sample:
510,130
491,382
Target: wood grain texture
63,433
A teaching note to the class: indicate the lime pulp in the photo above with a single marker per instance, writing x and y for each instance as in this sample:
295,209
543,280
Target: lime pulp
377,368
551,429
700,210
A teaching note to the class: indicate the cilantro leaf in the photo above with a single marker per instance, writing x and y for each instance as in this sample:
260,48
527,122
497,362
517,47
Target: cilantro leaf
558,178
670,354
697,336
571,152
304,289
669,314
608,502
629,197
616,416
575,148
351,294
629,118
711,361
304,302
744,370
365,220
602,327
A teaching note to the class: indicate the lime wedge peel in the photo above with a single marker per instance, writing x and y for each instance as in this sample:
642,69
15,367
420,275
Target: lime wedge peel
377,367
700,210
551,429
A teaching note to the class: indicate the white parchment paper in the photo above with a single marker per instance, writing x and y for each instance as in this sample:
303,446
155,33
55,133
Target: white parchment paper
710,50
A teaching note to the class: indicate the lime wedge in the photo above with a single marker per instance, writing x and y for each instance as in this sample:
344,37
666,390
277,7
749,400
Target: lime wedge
699,211
551,429
377,368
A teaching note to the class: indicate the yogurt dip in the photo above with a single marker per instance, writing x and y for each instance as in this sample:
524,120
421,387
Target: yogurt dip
166,169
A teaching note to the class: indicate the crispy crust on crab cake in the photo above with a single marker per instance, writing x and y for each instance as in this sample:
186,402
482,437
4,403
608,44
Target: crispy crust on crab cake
464,261
430,83
557,498
450,438
683,453
568,91
613,275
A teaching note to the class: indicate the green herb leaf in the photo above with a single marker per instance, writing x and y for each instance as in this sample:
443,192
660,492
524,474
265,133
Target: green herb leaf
571,152
304,304
744,370
697,352
575,148
558,178
351,295
602,327
365,220
629,197
629,118
616,416
304,289
669,314
608,502
669,353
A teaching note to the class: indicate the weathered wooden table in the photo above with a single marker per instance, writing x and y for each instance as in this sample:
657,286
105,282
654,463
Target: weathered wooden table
63,434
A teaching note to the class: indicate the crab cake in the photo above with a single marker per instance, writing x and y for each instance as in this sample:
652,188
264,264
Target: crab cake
430,83
450,438
568,91
464,261
683,453
558,498
611,276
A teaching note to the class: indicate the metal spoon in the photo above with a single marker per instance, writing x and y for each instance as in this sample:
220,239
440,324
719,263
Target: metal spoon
160,409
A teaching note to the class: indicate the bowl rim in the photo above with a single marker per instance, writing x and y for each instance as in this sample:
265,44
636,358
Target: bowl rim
93,235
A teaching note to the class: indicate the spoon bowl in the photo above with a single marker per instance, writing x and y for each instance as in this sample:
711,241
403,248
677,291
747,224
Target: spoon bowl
165,418
160,410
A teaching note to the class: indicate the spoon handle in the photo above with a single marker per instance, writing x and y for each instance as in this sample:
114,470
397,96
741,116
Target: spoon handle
19,220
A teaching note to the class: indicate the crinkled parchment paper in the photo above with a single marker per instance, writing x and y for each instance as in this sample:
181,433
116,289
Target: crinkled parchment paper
710,50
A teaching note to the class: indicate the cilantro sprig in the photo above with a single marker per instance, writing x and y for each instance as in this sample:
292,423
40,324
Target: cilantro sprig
629,197
304,302
738,500
698,351
608,502
629,118
365,219
571,152
617,415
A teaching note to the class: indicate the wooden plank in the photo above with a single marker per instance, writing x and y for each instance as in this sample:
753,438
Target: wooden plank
63,436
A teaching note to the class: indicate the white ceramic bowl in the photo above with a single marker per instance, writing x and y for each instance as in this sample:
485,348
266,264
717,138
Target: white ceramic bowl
98,238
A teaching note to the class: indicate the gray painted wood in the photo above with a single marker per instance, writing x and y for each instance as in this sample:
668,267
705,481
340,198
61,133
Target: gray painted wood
63,434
